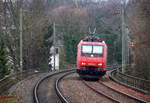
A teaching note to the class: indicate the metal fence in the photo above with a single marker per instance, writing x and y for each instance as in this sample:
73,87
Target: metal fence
131,81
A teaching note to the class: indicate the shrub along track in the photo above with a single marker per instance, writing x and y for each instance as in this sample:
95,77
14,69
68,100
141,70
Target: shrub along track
46,89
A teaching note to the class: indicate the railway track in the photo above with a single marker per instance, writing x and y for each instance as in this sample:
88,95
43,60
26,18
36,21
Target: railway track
130,81
58,90
47,89
112,94
65,97
122,93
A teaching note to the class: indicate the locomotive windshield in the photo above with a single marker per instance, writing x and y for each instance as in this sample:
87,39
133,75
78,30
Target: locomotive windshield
97,49
87,48
92,50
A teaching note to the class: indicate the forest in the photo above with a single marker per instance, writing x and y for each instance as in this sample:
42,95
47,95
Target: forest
73,18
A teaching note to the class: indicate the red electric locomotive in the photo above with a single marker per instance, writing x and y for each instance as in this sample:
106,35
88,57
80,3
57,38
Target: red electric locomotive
91,57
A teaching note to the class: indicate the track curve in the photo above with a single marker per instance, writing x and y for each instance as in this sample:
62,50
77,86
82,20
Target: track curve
112,94
59,92
42,88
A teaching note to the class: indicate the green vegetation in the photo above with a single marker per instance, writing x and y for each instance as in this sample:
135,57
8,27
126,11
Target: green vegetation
70,46
3,61
48,34
72,19
71,41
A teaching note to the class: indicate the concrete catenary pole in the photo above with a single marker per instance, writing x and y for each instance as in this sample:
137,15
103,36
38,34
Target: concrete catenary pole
123,2
21,42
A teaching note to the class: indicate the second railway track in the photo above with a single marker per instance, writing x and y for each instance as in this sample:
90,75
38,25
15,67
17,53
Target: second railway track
112,94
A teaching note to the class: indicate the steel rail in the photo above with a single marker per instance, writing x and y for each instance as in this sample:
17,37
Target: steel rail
125,94
35,94
130,81
101,93
58,91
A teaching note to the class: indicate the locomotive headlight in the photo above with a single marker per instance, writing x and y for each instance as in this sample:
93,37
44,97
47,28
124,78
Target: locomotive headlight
83,63
100,64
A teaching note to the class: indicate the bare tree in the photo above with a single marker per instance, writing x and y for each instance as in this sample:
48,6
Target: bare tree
138,17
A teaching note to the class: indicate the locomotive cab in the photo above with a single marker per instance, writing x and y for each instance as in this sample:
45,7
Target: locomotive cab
91,59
